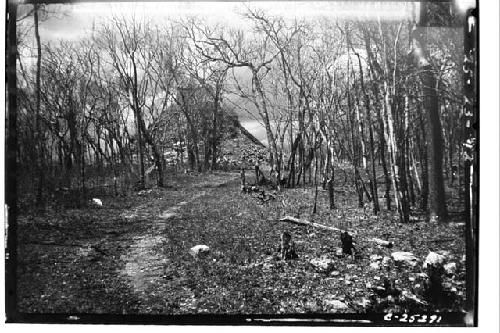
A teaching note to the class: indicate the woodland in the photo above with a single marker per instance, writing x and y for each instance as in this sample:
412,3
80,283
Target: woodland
140,191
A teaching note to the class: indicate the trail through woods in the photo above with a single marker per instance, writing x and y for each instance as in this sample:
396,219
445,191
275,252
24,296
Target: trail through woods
132,254
144,266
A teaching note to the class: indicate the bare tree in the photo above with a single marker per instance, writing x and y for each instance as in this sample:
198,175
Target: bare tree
437,202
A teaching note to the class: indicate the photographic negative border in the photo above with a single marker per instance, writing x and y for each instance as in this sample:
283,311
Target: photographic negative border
470,25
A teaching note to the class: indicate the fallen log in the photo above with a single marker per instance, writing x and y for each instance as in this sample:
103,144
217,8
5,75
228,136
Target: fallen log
313,224
292,219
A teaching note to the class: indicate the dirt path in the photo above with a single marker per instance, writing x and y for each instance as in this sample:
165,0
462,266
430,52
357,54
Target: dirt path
144,266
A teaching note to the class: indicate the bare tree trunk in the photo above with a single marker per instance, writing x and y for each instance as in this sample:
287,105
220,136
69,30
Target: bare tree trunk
424,195
350,121
382,130
389,93
214,127
275,165
373,175
38,134
156,153
315,185
406,156
293,153
437,207
135,107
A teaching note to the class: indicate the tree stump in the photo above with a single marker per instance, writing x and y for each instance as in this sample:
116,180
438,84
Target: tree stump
242,177
287,247
347,245
257,173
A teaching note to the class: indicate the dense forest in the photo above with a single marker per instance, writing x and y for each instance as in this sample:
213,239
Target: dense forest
376,108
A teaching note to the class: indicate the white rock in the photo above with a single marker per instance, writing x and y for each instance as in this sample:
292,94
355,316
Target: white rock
434,259
336,304
199,250
404,257
375,265
335,273
450,268
323,264
375,257
96,201
339,252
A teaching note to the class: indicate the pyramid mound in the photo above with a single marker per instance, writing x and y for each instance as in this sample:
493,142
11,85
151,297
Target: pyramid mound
242,150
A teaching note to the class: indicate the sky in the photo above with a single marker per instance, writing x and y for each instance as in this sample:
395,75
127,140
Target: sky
74,21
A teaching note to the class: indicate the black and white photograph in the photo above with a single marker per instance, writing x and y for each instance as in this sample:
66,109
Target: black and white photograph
242,163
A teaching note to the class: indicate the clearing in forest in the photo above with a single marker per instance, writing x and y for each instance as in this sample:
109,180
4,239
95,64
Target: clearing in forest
134,255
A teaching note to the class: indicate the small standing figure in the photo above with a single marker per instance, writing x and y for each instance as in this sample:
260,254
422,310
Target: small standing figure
287,247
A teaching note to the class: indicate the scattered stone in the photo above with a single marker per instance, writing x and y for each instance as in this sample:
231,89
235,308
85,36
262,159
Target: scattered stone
407,258
413,297
144,192
434,259
199,251
335,304
450,268
339,253
323,265
97,202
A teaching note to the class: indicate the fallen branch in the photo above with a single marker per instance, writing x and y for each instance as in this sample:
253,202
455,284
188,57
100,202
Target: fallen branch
313,224
380,242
